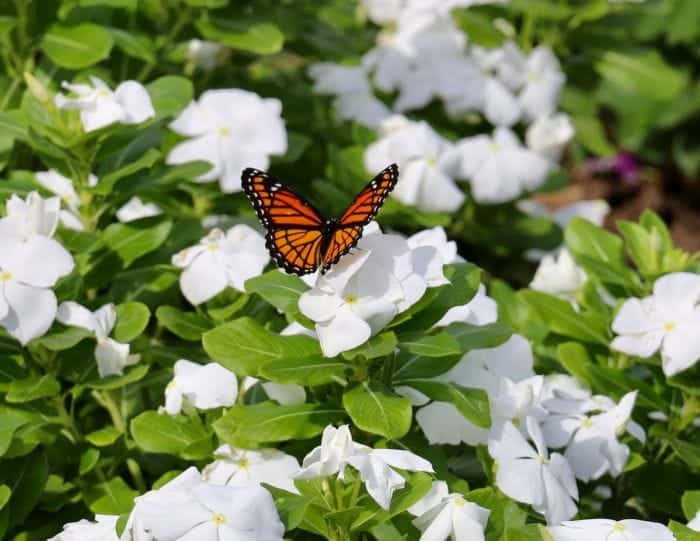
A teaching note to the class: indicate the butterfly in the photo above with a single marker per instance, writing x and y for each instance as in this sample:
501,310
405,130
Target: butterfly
299,238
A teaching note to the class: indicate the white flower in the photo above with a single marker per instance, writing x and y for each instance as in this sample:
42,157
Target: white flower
548,135
135,209
30,264
103,529
63,188
499,168
437,493
362,293
481,310
543,81
202,386
241,467
330,78
365,109
188,508
332,456
220,261
603,529
453,518
591,442
437,238
530,475
500,105
286,394
112,356
665,321
204,54
374,465
231,129
559,276
419,151
505,373
694,523
100,107
384,11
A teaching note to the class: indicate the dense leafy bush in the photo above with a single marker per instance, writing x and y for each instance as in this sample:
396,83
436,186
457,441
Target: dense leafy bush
161,379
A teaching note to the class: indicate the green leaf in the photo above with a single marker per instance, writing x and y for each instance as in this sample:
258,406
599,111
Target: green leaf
690,501
113,497
244,346
259,38
590,132
441,344
26,390
170,95
269,422
379,345
478,336
586,239
10,421
145,161
642,247
26,477
473,404
135,45
281,290
377,411
161,433
77,47
132,319
186,325
682,532
306,372
103,437
639,73
88,460
63,339
5,493
136,239
563,319
131,375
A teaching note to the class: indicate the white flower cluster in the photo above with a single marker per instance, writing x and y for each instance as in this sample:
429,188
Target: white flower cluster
421,56
231,129
31,263
221,260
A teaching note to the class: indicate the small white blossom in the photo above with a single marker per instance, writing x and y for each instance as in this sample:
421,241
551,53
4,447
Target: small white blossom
112,356
531,475
30,264
231,129
241,467
362,293
592,447
100,107
453,518
543,81
420,153
665,321
498,168
287,394
603,529
135,209
201,386
548,135
337,450
220,261
189,508
103,529
559,276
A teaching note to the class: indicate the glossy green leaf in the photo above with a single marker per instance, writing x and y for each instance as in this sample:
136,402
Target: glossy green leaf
186,325
473,404
378,411
135,239
132,319
77,47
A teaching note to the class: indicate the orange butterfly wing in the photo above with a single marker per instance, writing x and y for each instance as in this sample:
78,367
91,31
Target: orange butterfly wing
358,214
294,227
298,237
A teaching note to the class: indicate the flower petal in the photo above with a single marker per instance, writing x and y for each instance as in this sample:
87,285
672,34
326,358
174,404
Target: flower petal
32,311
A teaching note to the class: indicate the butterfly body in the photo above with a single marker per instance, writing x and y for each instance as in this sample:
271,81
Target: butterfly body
299,238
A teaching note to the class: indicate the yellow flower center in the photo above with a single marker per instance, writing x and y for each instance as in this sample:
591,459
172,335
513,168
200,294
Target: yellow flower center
431,161
516,421
212,247
587,423
351,299
494,147
243,463
224,131
5,276
459,502
543,460
619,527
218,519
103,92
668,327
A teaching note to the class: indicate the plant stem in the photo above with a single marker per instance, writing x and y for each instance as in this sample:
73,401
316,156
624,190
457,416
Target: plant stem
105,399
